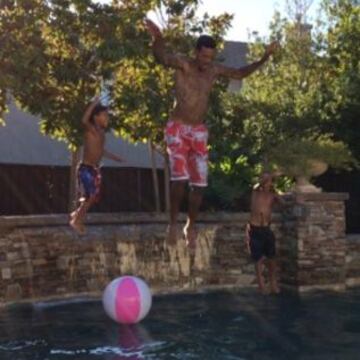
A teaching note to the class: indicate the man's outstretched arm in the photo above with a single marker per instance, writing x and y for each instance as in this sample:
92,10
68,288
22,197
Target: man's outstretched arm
160,53
245,71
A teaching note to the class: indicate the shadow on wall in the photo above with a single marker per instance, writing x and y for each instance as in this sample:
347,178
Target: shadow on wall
347,182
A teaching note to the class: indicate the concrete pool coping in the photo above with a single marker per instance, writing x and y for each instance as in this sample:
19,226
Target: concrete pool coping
121,218
156,292
161,293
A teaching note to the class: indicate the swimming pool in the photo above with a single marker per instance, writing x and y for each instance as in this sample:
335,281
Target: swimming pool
222,325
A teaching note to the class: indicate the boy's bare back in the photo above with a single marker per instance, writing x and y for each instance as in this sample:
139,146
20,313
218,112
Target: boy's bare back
94,142
94,132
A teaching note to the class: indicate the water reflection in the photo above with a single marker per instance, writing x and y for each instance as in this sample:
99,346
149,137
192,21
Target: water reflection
132,340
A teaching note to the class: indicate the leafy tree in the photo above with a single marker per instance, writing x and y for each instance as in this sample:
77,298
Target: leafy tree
20,47
278,118
343,53
55,55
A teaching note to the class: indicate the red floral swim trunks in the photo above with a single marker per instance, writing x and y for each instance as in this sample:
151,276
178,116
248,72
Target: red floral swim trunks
188,152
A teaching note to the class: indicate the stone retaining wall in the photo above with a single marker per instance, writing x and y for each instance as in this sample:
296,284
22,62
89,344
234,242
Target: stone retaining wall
314,242
353,260
41,257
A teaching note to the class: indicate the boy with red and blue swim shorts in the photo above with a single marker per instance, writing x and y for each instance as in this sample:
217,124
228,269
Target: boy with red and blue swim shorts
95,122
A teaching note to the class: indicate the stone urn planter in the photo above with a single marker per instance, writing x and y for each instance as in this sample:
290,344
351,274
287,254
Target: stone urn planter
304,159
303,184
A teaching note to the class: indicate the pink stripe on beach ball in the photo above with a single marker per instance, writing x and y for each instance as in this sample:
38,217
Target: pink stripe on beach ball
128,302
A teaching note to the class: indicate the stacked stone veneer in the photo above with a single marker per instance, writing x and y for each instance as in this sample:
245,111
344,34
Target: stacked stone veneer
41,257
353,260
314,244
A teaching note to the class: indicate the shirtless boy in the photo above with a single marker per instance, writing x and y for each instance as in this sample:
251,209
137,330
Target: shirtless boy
95,122
260,239
186,134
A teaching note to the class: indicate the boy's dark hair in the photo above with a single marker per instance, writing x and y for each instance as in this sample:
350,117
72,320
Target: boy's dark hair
205,41
99,108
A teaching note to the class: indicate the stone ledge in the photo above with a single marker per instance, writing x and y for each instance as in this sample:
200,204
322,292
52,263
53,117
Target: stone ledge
97,295
318,196
303,289
352,282
353,238
118,218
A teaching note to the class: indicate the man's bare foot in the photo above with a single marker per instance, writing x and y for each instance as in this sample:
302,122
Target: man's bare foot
274,289
172,234
72,215
263,291
190,236
77,226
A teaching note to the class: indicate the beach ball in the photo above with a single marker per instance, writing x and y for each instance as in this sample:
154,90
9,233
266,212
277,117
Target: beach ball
127,299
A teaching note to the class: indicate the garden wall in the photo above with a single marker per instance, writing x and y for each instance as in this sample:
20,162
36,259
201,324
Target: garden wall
42,258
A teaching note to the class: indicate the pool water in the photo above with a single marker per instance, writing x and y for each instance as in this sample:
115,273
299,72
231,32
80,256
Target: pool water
227,326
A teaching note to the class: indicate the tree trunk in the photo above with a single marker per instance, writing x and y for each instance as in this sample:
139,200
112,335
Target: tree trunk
73,188
167,182
155,177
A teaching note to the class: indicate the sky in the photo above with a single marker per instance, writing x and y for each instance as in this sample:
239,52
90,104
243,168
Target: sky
249,15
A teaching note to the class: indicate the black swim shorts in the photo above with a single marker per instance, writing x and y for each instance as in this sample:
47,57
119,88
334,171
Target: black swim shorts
262,242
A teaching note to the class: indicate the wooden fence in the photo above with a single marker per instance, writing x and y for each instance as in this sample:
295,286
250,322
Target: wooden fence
31,189
28,189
